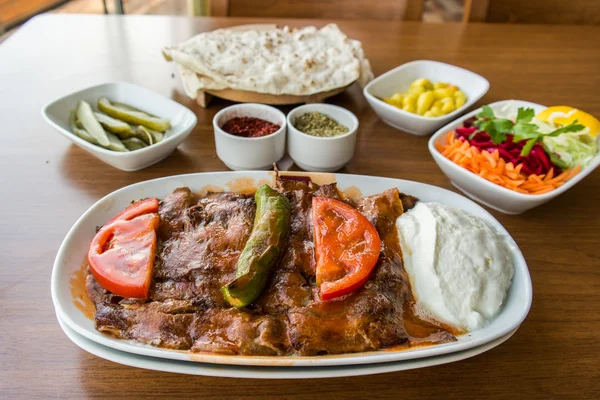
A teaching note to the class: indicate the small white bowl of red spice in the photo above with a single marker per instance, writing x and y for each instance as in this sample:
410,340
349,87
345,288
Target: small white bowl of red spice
515,155
321,137
250,136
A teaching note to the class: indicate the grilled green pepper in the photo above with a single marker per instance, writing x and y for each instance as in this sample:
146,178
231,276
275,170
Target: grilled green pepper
133,117
263,248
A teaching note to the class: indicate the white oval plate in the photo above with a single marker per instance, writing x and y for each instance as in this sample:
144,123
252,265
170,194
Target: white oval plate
254,372
74,247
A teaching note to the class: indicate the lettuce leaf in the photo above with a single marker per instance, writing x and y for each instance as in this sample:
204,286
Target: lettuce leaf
570,149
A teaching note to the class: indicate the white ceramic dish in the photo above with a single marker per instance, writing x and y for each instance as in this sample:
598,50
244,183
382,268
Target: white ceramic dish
240,153
74,248
399,80
257,372
486,192
326,154
182,120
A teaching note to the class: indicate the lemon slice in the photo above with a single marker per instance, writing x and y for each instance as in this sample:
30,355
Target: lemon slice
564,115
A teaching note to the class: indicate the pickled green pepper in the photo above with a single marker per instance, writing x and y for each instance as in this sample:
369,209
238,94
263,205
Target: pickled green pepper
263,248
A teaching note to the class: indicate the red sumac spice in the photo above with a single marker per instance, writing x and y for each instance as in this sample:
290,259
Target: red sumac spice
249,127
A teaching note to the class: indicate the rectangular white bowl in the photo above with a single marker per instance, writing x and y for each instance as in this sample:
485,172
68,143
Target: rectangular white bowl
74,249
486,192
398,80
182,120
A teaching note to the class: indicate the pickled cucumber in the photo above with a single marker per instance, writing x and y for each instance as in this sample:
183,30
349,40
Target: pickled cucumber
111,124
134,143
86,116
128,114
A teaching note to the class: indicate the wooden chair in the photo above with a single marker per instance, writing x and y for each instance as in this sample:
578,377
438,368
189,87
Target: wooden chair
407,10
574,12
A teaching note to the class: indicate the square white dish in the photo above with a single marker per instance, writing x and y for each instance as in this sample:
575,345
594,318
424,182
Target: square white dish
74,248
486,192
182,120
399,79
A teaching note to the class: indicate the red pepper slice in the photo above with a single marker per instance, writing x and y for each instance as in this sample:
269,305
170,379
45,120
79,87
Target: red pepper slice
347,247
121,255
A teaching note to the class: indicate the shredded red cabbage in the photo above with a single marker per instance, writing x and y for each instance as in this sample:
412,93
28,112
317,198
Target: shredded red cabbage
537,162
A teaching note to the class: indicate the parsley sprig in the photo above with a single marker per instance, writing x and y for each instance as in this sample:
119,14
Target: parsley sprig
522,128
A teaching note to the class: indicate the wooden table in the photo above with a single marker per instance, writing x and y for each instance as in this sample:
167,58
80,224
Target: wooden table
47,183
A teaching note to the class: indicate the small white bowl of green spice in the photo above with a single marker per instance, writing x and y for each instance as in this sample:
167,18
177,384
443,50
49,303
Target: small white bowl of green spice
321,137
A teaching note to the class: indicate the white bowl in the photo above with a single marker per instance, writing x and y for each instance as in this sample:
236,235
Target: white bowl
326,154
399,79
182,120
486,192
240,153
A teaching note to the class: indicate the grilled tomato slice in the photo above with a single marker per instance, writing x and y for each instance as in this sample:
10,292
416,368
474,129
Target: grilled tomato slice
136,209
347,247
121,254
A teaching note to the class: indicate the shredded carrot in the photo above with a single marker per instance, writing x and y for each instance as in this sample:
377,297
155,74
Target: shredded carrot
493,168
544,190
512,174
489,157
574,172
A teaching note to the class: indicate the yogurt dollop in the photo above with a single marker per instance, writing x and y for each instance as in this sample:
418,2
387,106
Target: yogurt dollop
460,268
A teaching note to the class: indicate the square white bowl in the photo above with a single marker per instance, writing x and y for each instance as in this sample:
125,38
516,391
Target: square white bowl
182,120
398,80
489,193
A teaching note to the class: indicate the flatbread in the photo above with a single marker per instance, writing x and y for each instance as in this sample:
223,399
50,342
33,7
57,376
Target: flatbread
274,61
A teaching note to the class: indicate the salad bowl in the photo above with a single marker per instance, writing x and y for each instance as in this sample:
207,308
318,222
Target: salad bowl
486,192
